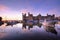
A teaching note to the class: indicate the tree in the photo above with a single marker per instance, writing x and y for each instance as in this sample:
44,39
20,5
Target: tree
0,18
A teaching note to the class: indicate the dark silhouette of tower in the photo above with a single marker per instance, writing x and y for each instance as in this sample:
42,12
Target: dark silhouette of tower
24,20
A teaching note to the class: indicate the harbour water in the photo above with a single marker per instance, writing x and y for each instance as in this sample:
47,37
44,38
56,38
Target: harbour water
16,32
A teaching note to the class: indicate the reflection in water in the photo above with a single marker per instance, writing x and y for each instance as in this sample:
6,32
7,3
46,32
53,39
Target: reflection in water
16,32
47,28
51,29
49,25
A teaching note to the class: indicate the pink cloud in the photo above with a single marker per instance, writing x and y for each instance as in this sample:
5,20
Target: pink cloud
3,8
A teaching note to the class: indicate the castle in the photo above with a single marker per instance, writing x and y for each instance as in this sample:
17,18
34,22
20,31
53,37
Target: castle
31,20
38,17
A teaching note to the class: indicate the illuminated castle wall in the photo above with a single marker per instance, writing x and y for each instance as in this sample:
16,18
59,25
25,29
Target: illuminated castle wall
38,17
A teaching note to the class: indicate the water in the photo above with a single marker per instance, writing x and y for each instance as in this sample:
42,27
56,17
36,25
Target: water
16,32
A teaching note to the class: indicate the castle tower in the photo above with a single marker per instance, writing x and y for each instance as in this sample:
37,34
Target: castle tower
24,16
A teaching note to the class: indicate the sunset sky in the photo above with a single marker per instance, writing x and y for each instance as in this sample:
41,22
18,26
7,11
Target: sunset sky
13,9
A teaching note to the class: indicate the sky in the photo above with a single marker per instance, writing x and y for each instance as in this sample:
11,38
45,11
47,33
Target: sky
13,9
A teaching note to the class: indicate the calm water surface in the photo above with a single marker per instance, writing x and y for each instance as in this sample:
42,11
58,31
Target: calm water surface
16,32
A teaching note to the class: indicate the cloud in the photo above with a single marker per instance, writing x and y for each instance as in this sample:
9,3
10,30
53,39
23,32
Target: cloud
3,8
55,11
